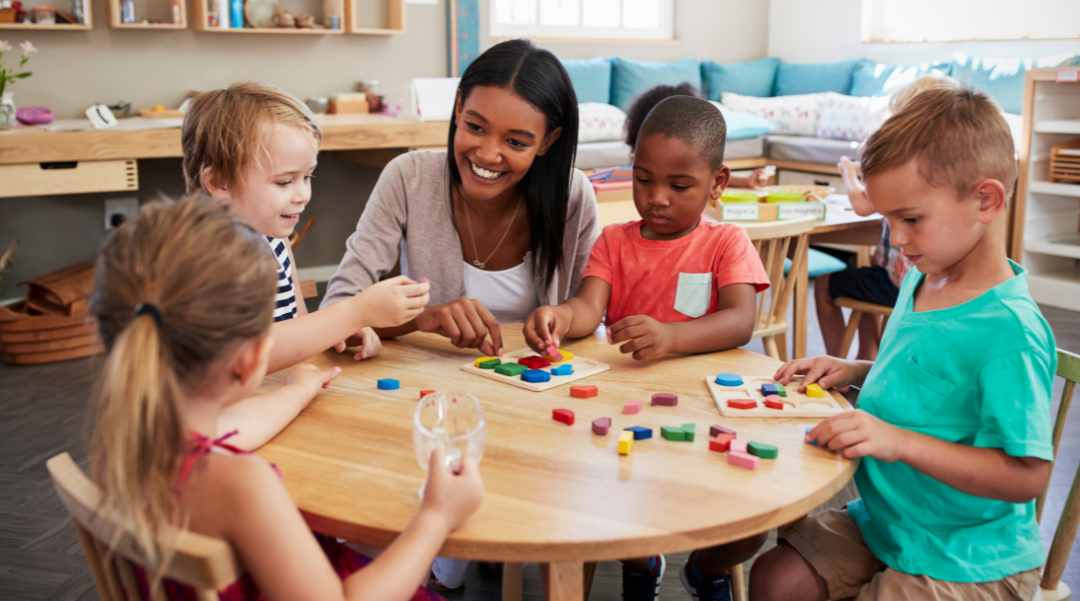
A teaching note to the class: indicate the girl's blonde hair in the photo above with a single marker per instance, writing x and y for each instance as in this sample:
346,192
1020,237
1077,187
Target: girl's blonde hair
224,130
207,303
901,97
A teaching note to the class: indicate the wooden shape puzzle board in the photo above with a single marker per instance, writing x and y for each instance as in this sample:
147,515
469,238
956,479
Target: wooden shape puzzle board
796,404
583,368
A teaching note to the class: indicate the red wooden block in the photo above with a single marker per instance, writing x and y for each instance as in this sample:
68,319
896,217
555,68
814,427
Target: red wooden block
773,402
600,426
665,398
583,392
424,393
554,353
534,362
565,416
721,443
742,403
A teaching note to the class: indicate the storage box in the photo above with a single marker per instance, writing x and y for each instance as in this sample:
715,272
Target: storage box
779,211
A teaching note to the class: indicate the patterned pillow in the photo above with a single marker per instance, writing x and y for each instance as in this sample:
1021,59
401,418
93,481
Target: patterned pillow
851,117
797,115
600,122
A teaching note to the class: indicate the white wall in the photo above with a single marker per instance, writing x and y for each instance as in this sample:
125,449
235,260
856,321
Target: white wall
809,31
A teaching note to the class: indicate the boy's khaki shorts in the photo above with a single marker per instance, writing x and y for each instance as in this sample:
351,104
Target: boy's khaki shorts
833,545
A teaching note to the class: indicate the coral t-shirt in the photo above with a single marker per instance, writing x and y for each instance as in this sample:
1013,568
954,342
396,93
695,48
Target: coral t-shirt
673,280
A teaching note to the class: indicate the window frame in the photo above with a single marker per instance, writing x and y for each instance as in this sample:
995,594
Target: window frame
873,30
666,33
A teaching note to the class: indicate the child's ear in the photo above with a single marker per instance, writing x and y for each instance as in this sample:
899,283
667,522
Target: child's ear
720,181
548,141
251,360
213,186
993,199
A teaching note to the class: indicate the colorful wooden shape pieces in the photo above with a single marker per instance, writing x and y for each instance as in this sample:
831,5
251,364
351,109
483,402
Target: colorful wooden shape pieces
665,398
743,460
716,430
535,376
631,407
553,354
510,369
639,432
814,391
534,362
721,442
760,449
626,442
768,389
562,370
729,380
781,391
566,356
565,416
424,393
673,434
584,392
488,362
813,442
773,402
388,384
738,445
742,403
601,425
688,432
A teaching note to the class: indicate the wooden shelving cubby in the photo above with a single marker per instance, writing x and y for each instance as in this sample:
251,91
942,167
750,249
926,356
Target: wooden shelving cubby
159,10
202,21
388,20
28,6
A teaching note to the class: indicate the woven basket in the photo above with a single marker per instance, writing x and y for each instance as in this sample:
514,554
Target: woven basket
7,15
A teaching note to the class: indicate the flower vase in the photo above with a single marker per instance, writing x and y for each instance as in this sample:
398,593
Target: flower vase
7,110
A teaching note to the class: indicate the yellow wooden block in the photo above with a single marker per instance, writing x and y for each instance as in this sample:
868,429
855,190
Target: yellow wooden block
482,359
626,442
814,391
567,355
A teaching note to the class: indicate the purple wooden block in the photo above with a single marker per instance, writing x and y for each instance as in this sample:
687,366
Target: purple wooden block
665,398
600,426
718,429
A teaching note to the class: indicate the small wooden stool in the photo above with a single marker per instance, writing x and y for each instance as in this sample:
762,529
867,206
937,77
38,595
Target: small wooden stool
857,309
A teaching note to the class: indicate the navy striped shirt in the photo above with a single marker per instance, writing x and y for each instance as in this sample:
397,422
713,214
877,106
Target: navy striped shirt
285,299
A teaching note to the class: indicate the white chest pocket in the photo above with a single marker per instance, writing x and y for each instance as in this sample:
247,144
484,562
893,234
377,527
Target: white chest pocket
693,294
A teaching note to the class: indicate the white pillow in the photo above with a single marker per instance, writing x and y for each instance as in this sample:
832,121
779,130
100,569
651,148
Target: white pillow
600,122
797,114
851,117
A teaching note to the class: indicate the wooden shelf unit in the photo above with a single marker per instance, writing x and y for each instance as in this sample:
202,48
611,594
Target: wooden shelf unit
116,10
201,19
1045,228
394,21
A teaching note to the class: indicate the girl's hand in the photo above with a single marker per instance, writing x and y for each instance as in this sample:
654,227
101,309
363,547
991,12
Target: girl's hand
370,345
645,337
757,178
546,327
850,171
454,497
311,378
859,434
392,302
828,372
466,322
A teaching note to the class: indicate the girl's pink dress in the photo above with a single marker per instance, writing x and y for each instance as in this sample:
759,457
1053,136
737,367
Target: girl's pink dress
345,560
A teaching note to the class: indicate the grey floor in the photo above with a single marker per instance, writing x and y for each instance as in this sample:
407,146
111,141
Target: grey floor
43,412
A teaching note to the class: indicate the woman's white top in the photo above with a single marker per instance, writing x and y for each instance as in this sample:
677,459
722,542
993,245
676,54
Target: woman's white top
510,294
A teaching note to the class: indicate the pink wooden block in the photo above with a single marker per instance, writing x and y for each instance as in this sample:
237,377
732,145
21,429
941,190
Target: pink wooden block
600,426
742,459
554,353
738,445
716,429
631,407
665,398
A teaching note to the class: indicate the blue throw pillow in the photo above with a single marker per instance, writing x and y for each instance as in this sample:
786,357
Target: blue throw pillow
741,126
818,264
630,78
752,78
591,79
1002,78
813,78
877,79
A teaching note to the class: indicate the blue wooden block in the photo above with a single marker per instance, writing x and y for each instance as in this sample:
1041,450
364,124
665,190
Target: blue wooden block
562,370
729,380
535,376
640,432
389,384
814,442
768,389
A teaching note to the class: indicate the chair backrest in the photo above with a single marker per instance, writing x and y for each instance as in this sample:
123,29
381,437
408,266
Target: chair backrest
308,288
773,240
1069,369
203,563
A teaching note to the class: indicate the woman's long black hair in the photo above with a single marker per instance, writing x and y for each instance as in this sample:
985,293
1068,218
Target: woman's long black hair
539,78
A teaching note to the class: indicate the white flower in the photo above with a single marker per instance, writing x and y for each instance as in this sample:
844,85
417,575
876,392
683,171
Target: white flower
4,46
27,47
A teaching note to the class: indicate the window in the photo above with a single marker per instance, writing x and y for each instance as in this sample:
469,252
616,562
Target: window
602,19
961,20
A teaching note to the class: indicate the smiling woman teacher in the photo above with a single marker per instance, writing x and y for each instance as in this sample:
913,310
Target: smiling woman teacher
501,222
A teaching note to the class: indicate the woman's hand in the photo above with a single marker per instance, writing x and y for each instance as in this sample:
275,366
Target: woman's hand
452,496
546,327
828,372
392,302
370,345
466,322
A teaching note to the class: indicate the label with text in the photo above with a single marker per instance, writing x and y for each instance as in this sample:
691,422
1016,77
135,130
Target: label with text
800,210
741,211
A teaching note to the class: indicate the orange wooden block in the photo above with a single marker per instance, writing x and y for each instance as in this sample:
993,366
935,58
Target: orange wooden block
584,392
424,393
565,416
773,402
742,403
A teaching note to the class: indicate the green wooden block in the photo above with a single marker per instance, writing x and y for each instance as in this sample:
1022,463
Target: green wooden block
510,369
765,451
781,391
688,432
490,364
674,434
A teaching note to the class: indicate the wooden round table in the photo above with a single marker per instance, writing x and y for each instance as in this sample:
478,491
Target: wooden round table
555,494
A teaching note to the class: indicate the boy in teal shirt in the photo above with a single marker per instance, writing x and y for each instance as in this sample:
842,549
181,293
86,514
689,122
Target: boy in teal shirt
953,422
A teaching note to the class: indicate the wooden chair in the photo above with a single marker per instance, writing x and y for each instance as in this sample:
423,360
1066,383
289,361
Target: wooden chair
774,241
205,564
1051,588
857,309
308,288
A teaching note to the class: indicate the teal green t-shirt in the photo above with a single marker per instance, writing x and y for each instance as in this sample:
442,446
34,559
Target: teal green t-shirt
977,374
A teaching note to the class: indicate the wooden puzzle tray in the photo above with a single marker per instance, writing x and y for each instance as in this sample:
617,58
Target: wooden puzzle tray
796,404
583,368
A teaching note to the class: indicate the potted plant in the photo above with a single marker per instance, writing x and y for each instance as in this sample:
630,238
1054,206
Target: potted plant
8,76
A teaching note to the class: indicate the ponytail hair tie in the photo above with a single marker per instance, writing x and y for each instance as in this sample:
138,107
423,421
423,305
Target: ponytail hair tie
147,309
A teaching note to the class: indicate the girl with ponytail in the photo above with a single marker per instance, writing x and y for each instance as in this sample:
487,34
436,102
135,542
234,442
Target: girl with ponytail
188,337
